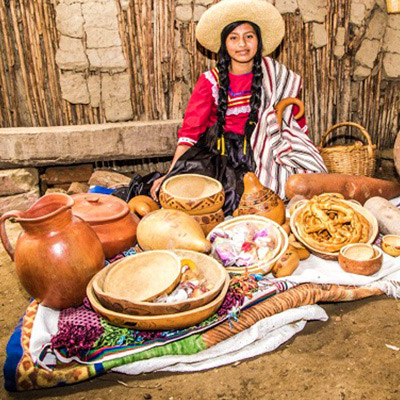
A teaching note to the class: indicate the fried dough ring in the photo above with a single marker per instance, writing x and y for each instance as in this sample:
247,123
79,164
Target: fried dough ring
326,223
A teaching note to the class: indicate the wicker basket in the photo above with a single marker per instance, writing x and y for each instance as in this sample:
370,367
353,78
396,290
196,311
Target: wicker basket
355,159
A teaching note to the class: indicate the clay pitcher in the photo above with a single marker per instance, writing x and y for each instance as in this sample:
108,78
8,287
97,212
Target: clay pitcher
56,254
259,200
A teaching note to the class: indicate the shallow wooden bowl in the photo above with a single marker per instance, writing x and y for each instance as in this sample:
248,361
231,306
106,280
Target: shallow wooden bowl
261,267
391,245
212,269
351,259
141,277
210,220
374,230
158,322
192,193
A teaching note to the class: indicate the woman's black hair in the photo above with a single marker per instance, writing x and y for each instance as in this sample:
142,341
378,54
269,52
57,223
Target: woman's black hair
224,61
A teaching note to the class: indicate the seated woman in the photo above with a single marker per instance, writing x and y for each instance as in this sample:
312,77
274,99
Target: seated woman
230,125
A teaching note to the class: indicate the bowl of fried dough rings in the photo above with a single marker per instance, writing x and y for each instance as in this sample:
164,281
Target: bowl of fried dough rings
327,222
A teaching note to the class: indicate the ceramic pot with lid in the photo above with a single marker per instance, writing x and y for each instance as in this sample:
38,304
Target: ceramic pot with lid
110,218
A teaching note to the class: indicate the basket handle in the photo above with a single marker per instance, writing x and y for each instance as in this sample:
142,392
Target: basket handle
360,127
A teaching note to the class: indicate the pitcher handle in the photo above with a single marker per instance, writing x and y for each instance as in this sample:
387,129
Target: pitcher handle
3,234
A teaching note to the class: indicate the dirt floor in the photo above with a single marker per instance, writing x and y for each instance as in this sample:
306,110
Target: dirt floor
344,358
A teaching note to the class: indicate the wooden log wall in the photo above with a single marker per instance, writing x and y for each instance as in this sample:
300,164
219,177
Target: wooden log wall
164,62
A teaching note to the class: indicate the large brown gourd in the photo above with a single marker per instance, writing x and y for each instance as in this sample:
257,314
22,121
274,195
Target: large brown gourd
259,200
359,188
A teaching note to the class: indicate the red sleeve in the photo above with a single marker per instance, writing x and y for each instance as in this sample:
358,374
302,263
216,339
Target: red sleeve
197,113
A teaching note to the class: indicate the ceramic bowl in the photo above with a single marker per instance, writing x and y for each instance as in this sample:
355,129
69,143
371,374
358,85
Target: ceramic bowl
374,230
141,277
210,268
391,245
209,221
262,267
158,322
361,258
192,193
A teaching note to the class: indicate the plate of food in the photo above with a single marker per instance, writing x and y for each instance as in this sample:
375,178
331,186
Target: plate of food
249,243
327,223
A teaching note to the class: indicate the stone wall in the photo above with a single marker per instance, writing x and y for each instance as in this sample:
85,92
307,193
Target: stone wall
120,60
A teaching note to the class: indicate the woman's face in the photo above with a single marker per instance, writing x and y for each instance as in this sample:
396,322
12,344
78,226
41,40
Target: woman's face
241,43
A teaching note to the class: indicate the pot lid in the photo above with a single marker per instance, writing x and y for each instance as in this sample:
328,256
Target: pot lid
95,207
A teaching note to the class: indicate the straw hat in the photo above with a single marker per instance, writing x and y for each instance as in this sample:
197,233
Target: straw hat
260,12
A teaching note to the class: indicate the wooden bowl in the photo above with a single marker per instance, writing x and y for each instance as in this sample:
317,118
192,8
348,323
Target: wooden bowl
391,245
209,221
158,322
374,230
262,267
141,277
192,193
212,269
360,258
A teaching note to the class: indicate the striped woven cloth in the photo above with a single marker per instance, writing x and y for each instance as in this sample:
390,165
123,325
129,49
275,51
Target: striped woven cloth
281,153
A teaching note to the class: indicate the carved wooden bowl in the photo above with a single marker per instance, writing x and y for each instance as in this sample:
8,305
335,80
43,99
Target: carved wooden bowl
374,230
210,268
141,277
358,258
262,267
209,221
158,322
192,193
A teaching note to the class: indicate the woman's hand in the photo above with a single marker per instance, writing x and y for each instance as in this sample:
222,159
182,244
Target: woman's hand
156,185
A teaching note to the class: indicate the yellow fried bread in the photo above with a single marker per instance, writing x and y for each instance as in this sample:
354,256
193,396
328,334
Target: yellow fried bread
327,223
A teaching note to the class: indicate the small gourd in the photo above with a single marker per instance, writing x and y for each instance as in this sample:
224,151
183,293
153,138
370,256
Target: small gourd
259,200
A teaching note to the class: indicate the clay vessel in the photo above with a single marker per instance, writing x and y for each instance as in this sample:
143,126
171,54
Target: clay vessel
351,259
209,221
56,254
110,218
171,229
192,193
259,200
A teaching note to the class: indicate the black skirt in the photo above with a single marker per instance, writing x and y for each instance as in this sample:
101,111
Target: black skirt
229,169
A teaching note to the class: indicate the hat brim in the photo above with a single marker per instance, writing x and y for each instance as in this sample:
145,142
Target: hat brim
260,12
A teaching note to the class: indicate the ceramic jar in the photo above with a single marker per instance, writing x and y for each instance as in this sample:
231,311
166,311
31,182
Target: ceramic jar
56,254
110,218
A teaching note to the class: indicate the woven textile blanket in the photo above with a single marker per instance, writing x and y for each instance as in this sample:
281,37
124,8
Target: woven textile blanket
277,309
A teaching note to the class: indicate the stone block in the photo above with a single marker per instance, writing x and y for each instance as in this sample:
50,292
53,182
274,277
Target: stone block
394,21
78,187
16,181
368,52
56,190
201,2
391,65
376,27
361,72
111,59
71,55
73,144
100,14
74,88
74,173
102,38
93,83
183,13
391,41
109,179
19,202
286,6
69,20
198,12
360,10
116,97
319,35
313,10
